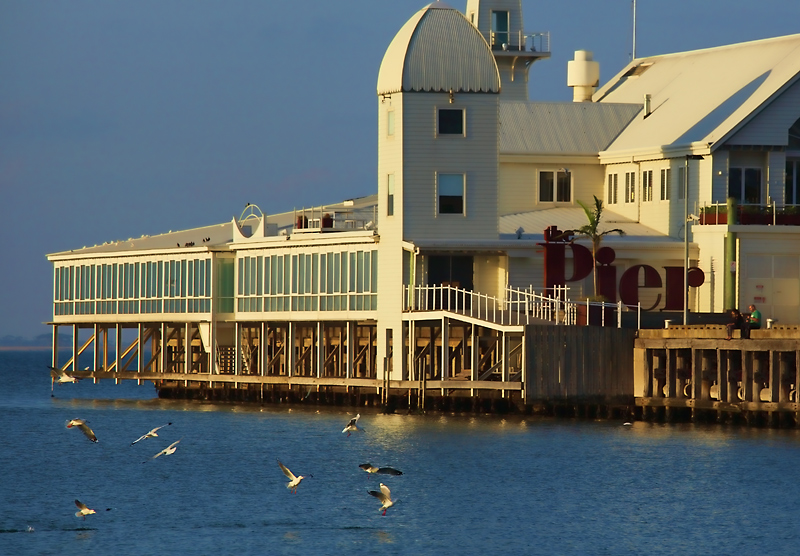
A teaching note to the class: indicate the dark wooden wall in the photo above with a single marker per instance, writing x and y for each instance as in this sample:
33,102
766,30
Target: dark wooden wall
579,363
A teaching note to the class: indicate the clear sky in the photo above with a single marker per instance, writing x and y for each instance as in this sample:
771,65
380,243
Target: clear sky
119,119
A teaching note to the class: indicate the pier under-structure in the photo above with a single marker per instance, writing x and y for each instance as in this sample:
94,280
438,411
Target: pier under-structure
448,358
695,373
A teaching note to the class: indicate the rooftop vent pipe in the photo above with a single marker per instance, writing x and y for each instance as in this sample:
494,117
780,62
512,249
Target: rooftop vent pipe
583,75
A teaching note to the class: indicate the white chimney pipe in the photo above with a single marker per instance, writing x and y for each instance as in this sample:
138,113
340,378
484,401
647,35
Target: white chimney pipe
583,75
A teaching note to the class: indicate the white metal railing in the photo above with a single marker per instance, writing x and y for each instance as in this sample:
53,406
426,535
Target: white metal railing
520,305
603,307
519,41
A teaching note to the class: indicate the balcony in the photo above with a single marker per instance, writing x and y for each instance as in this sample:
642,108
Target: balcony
759,215
520,43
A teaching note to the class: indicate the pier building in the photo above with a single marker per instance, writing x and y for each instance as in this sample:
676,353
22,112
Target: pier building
439,282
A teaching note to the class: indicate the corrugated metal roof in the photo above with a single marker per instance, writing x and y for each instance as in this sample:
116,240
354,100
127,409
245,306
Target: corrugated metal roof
700,96
533,223
219,235
562,127
438,50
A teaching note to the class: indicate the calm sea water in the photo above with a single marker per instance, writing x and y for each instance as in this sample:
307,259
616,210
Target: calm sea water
471,484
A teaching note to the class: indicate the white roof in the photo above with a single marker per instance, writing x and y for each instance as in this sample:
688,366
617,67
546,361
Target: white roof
220,235
703,95
534,223
438,50
561,127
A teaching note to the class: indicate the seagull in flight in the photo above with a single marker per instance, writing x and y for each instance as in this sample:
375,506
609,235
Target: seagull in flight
385,496
167,451
60,376
293,481
352,425
83,511
150,434
369,468
81,424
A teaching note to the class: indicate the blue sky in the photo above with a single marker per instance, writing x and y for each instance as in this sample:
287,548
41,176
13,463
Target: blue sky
119,119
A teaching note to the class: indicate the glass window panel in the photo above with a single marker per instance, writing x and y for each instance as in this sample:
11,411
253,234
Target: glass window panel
352,270
390,122
367,268
323,267
545,187
564,187
752,185
336,272
360,272
309,274
451,193
260,275
734,183
268,275
390,195
451,121
287,276
294,273
374,273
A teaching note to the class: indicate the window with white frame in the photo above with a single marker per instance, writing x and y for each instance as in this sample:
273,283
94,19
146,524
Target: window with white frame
647,186
666,183
630,187
451,189
555,186
744,184
613,183
450,121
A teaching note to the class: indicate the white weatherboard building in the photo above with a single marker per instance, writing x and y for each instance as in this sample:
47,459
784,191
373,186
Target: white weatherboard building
426,273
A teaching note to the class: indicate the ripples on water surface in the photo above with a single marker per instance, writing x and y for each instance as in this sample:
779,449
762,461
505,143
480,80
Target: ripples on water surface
471,484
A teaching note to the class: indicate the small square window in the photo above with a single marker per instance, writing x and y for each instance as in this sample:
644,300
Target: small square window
451,193
451,121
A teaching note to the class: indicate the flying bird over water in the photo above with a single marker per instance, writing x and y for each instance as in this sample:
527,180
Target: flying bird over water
352,426
385,496
293,481
167,451
60,376
81,424
83,510
150,434
369,468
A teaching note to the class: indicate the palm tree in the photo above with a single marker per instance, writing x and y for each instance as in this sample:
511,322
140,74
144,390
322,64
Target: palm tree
592,232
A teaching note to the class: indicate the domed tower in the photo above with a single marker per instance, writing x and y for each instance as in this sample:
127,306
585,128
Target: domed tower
514,48
438,134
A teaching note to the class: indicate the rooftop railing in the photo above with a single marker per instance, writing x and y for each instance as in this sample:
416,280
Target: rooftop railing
320,219
520,41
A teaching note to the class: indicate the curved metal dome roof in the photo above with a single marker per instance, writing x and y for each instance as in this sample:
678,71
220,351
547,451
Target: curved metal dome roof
438,50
